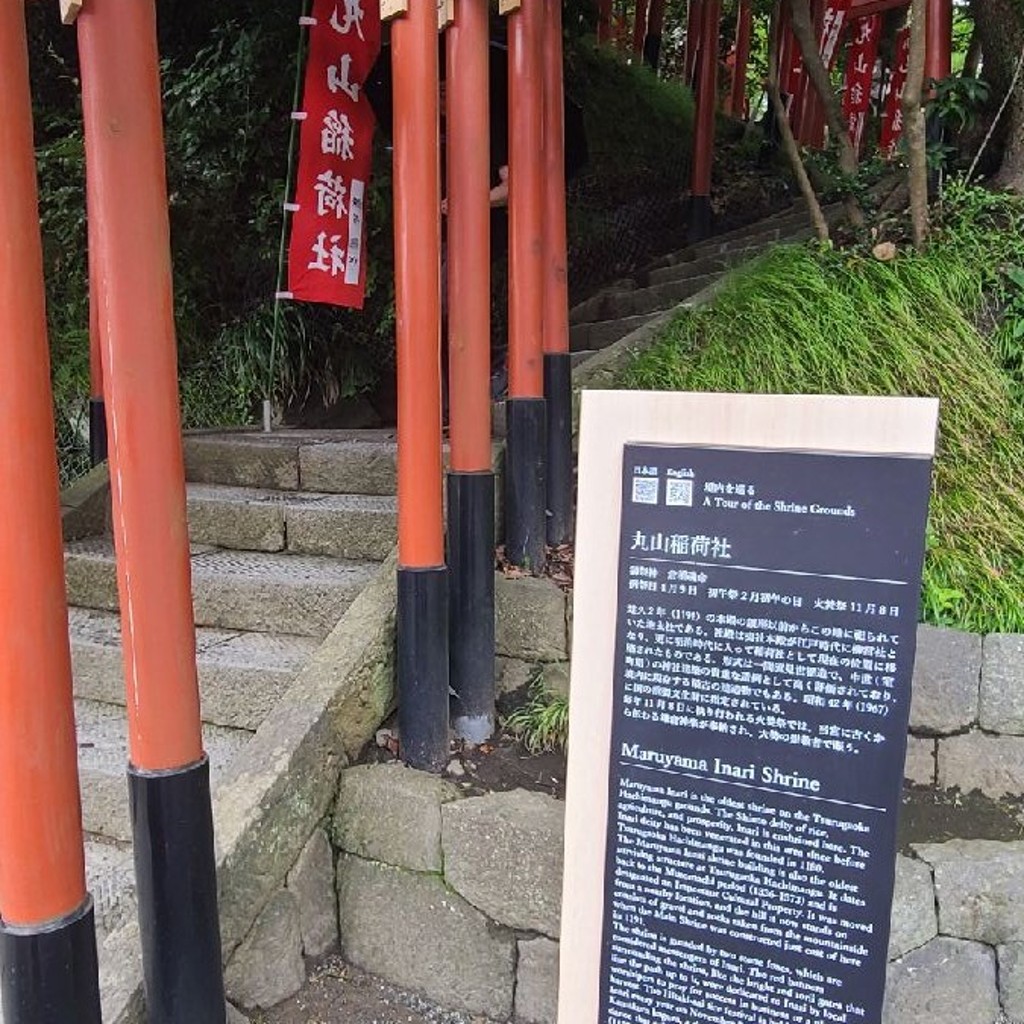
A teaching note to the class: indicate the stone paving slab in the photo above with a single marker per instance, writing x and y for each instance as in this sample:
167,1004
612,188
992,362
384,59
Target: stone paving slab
350,526
503,853
103,740
303,595
300,594
384,915
980,888
351,466
992,764
946,982
920,766
1002,684
241,675
946,683
110,879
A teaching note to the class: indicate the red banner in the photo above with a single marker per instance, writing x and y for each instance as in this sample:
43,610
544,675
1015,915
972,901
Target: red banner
892,101
833,23
327,258
860,74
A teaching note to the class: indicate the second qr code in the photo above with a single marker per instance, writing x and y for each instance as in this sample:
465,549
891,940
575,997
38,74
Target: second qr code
679,493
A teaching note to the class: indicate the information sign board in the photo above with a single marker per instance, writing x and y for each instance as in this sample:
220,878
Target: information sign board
762,571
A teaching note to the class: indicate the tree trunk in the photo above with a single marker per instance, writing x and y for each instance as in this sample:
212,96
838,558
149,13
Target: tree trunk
914,122
972,60
789,145
1000,25
803,29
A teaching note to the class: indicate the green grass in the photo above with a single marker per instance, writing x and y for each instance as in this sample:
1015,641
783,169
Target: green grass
809,320
542,723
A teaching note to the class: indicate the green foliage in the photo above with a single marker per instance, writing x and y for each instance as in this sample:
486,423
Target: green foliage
542,724
812,320
956,100
621,142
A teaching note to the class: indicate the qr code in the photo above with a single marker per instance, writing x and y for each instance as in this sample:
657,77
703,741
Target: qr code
645,490
679,493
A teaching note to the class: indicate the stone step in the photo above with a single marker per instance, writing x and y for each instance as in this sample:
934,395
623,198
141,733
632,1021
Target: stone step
594,336
610,306
715,264
332,462
357,526
264,592
789,221
103,759
110,880
241,675
761,240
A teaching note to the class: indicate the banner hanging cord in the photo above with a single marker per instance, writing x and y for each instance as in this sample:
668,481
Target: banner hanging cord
286,215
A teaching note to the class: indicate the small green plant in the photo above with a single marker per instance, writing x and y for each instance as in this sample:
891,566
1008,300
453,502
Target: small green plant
956,101
542,723
1009,337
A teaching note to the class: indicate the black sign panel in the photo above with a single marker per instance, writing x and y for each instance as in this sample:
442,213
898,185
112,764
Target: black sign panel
767,618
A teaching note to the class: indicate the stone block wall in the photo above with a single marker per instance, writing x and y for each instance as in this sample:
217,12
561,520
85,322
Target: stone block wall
967,713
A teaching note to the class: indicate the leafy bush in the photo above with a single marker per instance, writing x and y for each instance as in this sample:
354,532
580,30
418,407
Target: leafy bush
811,320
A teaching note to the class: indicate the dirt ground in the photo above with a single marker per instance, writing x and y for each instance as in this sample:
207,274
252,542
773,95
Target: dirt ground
337,993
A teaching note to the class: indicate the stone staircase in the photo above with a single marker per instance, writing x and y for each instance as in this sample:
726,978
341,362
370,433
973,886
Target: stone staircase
632,303
286,530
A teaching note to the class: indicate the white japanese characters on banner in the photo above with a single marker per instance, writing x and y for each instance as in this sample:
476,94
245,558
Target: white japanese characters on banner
833,23
892,98
860,73
327,258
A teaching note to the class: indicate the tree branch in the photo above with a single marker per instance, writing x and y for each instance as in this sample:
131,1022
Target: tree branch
789,145
913,116
803,29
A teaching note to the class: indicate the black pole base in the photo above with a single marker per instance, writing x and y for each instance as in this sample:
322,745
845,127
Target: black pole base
51,974
701,218
97,431
558,393
176,883
471,566
652,51
423,667
526,482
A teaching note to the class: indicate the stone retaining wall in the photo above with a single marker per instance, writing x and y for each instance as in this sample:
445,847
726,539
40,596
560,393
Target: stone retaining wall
459,897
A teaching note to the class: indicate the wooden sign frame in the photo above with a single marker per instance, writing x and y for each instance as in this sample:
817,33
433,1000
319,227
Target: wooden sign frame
610,420
70,10
390,9
393,9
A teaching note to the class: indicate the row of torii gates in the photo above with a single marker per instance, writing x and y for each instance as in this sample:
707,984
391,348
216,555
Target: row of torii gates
47,937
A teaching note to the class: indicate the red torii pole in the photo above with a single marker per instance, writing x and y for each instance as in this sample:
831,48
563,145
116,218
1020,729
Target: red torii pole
640,27
939,31
168,772
557,361
526,409
47,934
423,671
744,32
604,20
470,478
704,133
